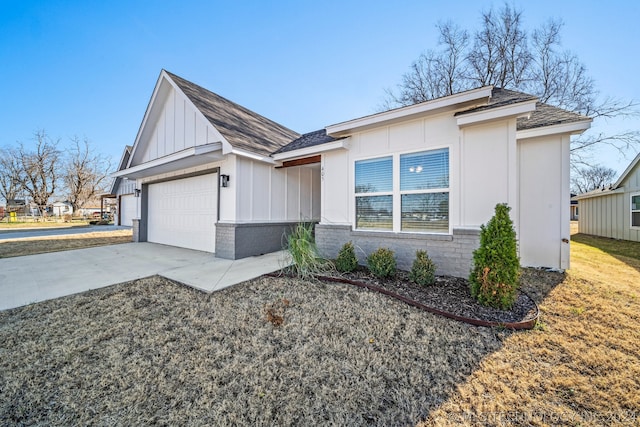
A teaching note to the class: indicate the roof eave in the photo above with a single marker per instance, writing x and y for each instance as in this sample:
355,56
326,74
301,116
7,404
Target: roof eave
316,149
598,193
466,99
572,128
252,155
520,109
190,157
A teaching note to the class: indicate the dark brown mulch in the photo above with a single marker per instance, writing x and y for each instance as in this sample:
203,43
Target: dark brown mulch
449,294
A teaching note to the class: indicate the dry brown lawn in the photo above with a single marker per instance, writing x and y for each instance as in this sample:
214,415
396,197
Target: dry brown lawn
581,367
272,351
277,351
39,245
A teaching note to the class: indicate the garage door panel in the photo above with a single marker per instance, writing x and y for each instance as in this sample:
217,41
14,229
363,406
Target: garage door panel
183,212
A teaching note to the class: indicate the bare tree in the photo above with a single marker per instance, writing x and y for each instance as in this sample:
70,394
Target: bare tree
435,73
85,173
591,178
504,54
10,176
39,169
500,54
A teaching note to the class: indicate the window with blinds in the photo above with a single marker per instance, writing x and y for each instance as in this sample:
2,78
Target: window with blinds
374,194
424,189
423,192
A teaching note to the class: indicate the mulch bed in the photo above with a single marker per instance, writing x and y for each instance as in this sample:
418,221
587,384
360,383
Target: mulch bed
449,296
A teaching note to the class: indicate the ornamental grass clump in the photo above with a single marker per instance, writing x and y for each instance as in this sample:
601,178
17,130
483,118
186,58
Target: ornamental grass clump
346,261
302,247
495,276
423,270
382,263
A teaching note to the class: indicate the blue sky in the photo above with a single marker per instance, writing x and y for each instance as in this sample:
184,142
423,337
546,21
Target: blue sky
88,68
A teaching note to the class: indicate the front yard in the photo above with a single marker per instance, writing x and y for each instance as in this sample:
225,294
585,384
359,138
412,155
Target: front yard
278,351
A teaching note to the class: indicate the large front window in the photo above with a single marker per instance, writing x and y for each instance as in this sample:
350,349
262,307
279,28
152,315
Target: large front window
635,210
419,202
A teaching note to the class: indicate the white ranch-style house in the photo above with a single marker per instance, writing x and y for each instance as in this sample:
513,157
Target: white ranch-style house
214,176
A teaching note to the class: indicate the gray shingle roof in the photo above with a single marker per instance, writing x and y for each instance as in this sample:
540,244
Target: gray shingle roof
544,115
548,115
308,140
243,128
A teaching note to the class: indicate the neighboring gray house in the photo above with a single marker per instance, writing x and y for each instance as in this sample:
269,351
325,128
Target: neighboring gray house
614,211
214,176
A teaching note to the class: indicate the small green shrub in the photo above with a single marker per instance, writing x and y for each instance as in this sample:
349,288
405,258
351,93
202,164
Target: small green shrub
423,270
495,276
304,253
382,263
347,260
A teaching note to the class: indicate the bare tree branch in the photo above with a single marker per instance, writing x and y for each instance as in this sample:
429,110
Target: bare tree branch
10,177
502,53
587,179
39,169
85,173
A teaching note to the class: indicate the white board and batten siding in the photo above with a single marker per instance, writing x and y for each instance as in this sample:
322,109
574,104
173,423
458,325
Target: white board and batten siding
487,165
178,126
544,201
183,212
128,203
434,132
268,194
128,209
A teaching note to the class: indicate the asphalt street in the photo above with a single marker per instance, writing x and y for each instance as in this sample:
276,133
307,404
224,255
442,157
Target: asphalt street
44,232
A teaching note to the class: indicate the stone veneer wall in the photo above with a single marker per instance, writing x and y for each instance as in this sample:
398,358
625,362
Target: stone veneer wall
453,254
235,241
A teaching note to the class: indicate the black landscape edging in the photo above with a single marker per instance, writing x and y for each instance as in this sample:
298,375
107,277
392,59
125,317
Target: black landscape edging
522,325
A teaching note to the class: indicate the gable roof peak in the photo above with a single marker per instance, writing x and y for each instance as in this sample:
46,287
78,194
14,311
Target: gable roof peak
242,128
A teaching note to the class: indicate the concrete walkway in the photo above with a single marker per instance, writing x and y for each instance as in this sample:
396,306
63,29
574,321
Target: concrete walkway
34,278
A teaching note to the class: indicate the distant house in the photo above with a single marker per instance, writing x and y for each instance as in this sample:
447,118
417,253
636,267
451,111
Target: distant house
61,208
574,209
214,176
614,211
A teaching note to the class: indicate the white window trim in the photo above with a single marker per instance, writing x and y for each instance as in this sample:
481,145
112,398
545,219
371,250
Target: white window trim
631,210
396,193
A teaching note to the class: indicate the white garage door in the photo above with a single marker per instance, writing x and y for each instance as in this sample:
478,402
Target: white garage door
183,212
127,209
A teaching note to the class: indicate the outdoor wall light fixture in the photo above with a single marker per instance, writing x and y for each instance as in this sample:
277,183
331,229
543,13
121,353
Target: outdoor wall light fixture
137,192
224,180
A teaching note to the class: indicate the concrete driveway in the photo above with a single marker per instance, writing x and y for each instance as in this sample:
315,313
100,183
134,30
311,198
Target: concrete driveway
28,279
